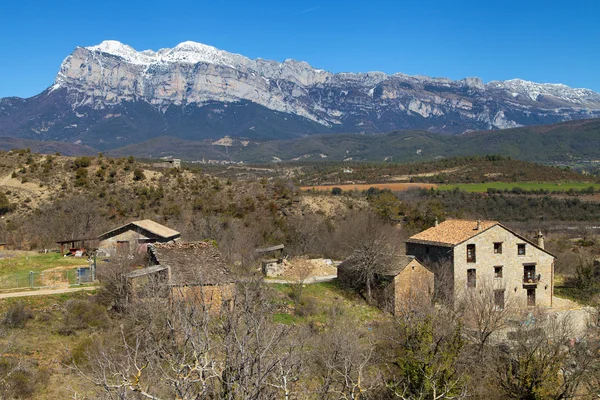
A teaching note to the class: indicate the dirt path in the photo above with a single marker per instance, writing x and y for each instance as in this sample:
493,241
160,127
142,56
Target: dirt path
46,292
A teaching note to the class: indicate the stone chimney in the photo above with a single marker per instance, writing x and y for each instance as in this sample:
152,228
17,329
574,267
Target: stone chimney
478,224
436,223
540,239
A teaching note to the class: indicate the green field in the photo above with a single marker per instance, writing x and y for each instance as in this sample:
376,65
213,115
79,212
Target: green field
29,261
15,268
483,187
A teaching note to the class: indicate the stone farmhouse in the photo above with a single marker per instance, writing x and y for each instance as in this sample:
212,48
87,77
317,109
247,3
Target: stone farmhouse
135,237
400,287
192,271
477,255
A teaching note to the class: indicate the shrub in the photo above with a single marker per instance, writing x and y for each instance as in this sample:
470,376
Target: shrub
138,174
21,378
5,205
336,191
82,162
82,314
81,177
306,307
17,316
172,210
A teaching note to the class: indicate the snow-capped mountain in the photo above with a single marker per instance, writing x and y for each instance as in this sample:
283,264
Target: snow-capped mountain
110,95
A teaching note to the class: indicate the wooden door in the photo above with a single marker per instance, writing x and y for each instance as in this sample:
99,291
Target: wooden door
531,297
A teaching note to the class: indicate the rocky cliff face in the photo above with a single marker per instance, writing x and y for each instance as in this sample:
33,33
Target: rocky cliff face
195,91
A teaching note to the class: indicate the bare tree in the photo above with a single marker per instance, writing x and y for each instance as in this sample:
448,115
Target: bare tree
180,348
543,360
115,288
485,311
308,234
373,246
343,358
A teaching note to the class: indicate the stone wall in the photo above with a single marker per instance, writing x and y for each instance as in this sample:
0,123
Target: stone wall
413,287
439,260
512,267
110,246
213,297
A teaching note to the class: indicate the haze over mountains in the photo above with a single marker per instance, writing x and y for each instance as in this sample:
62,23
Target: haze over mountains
110,95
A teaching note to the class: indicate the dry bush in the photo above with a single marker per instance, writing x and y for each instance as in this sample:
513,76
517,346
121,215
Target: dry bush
83,314
17,316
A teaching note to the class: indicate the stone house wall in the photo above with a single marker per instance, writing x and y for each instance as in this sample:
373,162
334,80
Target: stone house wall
214,297
512,266
110,246
438,259
412,287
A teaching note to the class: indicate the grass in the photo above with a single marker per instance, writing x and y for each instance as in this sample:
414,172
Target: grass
44,302
585,297
319,301
39,346
14,271
27,261
483,187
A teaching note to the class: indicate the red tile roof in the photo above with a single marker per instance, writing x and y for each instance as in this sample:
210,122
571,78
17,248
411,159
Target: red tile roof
452,232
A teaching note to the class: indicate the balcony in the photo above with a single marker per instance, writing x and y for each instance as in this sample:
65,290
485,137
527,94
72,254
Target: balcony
531,280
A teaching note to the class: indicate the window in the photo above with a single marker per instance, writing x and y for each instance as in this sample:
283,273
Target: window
498,272
498,248
471,253
529,275
499,299
471,278
521,249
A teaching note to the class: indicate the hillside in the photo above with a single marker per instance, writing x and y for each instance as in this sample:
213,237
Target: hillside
567,142
452,170
564,142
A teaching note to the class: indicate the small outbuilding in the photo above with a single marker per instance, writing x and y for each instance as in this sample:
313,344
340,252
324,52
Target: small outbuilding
272,266
135,237
403,286
194,271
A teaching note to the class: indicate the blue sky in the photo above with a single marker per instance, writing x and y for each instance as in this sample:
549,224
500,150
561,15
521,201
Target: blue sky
544,41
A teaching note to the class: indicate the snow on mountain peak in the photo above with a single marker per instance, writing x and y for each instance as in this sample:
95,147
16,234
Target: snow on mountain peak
185,52
190,52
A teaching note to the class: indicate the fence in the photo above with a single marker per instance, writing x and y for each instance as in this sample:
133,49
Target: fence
48,279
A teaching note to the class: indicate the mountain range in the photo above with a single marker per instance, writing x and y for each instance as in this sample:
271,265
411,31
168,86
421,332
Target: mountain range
109,96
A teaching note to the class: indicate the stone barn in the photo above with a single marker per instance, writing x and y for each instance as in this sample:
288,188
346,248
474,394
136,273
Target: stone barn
135,237
403,286
196,272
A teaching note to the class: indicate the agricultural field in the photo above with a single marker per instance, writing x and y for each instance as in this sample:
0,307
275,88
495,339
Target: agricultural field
550,186
395,187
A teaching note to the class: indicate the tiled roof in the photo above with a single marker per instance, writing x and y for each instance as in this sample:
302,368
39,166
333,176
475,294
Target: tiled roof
149,226
156,228
193,263
398,265
451,232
